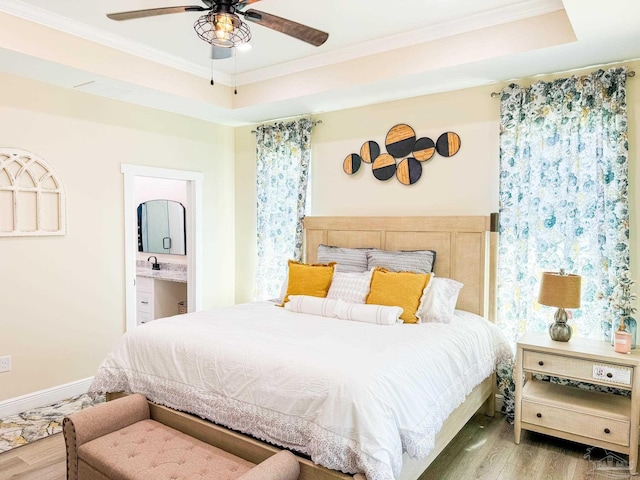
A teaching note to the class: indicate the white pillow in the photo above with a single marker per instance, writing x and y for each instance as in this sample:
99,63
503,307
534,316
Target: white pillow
351,287
440,301
326,307
378,314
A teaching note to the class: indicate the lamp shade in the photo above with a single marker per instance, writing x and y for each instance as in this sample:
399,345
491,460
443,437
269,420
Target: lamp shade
562,291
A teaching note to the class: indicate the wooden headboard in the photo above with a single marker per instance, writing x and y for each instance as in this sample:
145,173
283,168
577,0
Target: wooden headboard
465,246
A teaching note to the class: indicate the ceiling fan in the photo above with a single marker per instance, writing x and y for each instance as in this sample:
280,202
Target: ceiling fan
222,27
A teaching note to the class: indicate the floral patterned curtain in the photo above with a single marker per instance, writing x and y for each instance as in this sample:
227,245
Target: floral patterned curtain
563,198
283,154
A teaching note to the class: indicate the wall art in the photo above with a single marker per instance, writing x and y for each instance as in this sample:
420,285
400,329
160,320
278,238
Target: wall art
351,164
32,196
401,143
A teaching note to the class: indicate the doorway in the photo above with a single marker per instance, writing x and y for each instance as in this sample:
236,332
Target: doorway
136,174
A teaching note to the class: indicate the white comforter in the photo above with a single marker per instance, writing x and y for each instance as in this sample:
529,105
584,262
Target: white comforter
351,395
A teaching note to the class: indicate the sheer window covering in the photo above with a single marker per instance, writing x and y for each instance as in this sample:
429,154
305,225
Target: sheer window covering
282,171
563,199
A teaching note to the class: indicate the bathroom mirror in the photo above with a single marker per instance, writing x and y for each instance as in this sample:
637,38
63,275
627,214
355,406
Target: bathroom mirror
161,227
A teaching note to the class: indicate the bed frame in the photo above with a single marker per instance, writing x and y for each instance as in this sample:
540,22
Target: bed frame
466,249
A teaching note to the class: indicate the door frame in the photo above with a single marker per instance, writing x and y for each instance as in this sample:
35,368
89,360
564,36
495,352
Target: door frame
193,220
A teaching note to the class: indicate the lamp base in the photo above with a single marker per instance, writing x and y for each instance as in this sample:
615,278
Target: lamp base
559,330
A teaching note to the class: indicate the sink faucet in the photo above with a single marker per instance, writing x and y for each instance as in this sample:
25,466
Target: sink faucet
156,265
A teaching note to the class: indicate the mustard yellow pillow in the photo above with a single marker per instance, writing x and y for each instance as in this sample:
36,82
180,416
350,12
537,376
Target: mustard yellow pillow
313,280
399,289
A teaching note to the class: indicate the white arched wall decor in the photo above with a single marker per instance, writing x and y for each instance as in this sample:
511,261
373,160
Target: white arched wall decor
32,199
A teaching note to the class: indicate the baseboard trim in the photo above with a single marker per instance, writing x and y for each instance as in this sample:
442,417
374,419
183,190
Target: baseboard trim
16,405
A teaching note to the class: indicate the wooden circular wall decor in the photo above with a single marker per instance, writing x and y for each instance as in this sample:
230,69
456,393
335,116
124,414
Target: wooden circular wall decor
352,163
400,140
384,167
409,171
424,149
448,144
404,156
369,151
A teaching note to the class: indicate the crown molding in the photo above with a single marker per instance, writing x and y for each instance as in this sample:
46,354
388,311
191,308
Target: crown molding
64,24
489,18
510,13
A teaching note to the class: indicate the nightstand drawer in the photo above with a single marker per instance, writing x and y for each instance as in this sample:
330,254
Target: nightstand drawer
561,366
577,423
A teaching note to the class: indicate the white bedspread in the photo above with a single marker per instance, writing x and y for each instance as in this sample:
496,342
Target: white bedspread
351,395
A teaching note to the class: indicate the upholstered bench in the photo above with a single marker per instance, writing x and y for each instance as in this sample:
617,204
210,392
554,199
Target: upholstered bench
118,440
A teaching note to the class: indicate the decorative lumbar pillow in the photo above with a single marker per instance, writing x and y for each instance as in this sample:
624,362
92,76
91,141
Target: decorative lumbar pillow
347,259
304,279
378,314
440,300
399,289
325,307
351,287
418,261
332,308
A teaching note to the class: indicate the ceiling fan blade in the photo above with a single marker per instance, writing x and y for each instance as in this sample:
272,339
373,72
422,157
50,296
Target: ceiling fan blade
244,3
154,11
288,27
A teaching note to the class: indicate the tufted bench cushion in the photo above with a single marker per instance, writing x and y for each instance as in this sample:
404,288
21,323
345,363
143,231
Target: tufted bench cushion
118,441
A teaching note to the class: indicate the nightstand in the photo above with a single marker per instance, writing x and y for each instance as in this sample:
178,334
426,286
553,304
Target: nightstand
593,418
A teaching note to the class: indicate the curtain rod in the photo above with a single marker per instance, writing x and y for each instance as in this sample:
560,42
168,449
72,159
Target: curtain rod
314,123
630,74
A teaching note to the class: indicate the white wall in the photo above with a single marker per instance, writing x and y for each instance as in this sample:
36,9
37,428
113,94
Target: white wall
149,188
62,298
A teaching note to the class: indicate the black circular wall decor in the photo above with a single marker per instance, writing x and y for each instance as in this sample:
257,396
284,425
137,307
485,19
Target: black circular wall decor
424,149
352,163
400,140
369,151
448,144
384,167
409,171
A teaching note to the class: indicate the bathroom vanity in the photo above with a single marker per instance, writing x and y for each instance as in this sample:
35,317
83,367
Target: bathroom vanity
158,293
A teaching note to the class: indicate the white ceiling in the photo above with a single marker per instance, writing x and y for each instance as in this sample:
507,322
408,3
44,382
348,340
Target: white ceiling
381,33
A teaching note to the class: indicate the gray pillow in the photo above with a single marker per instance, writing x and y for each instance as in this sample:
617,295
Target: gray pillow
347,259
418,261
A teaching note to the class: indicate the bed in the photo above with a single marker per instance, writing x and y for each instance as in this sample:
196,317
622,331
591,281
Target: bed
282,377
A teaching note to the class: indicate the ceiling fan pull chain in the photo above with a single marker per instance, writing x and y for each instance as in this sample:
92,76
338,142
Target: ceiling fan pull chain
235,71
212,82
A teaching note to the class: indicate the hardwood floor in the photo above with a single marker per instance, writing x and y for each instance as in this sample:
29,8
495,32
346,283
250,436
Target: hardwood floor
483,450
41,460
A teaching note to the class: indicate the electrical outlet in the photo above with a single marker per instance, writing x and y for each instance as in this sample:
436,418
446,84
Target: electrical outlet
5,364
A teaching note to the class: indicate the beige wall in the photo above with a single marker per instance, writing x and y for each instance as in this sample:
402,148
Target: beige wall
465,184
62,298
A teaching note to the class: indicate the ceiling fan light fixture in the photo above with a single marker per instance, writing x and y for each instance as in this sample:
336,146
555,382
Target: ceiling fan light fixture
222,29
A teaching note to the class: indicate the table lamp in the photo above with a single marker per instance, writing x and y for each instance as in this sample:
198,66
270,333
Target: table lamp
562,291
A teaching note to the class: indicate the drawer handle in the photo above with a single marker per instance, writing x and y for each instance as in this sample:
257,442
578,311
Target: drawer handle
541,363
145,303
607,431
539,415
609,375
